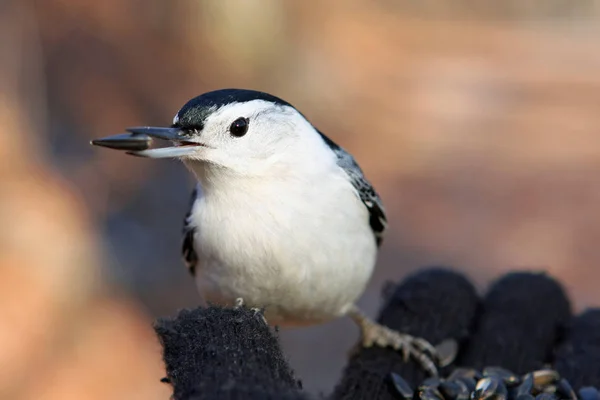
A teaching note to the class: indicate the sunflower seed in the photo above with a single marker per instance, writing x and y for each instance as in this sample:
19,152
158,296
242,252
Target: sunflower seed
454,390
430,394
490,388
564,390
468,382
526,385
545,377
525,396
125,141
446,352
401,386
509,378
589,393
545,396
465,373
430,383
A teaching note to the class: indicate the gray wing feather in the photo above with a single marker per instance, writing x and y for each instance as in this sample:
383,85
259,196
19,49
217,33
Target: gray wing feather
364,189
190,257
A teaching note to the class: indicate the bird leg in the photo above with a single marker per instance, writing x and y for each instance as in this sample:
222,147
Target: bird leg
373,333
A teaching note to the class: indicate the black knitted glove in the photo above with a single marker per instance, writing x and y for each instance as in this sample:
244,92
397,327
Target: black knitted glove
219,353
518,325
523,324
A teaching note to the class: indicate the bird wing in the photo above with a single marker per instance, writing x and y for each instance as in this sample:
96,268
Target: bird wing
364,189
190,257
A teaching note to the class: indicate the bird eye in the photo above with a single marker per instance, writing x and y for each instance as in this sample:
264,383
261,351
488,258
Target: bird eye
239,127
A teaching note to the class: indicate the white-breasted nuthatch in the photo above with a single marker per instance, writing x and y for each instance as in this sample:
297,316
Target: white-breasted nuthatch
282,217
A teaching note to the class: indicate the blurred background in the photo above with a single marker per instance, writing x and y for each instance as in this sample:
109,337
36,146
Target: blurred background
478,122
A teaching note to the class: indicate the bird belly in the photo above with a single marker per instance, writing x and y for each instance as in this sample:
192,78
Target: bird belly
303,267
304,294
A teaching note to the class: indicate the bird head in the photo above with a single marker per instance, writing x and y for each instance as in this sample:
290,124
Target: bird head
242,131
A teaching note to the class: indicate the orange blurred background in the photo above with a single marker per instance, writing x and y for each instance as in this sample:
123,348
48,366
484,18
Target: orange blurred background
477,122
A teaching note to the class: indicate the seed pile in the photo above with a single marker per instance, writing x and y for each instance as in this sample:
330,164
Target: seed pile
493,383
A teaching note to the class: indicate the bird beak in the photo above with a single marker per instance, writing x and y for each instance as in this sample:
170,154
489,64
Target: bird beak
138,141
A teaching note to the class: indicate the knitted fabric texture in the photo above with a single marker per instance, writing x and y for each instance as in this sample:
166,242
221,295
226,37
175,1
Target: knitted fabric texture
522,319
215,353
523,323
435,304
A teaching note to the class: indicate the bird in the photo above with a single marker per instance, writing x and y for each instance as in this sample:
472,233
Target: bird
281,218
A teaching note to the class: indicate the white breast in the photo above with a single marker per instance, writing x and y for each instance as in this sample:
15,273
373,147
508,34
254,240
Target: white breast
303,250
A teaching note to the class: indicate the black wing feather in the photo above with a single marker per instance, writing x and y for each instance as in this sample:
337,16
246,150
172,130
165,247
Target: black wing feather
364,189
190,258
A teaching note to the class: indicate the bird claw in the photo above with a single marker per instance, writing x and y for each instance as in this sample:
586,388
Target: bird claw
260,312
239,303
420,349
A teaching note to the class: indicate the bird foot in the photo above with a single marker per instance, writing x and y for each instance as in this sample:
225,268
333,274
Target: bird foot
374,334
421,350
239,303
